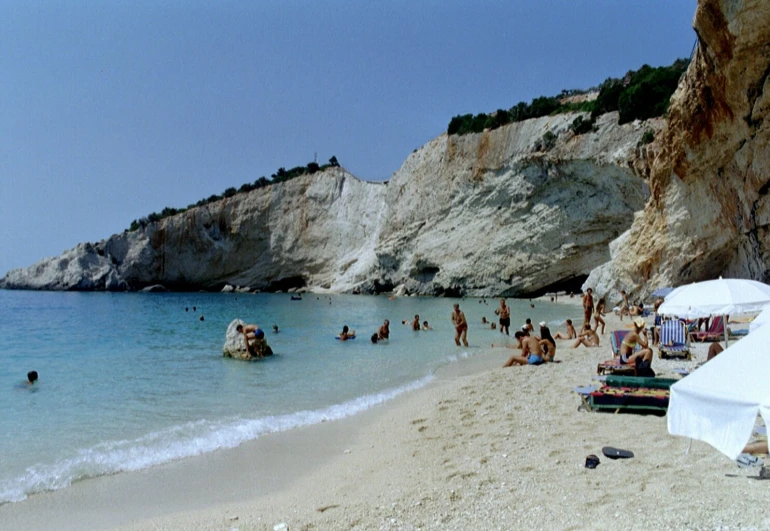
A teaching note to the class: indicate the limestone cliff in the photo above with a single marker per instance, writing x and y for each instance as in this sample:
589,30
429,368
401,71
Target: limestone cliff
709,212
509,211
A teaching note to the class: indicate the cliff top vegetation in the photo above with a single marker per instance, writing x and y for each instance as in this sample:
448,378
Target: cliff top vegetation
278,177
640,94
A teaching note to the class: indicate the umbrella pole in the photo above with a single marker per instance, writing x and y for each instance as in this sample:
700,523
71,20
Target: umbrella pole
724,320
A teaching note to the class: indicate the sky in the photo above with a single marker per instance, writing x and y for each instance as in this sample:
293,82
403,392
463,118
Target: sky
113,110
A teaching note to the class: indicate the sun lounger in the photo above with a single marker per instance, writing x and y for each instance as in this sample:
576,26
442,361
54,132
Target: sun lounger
626,392
615,366
715,332
673,340
629,398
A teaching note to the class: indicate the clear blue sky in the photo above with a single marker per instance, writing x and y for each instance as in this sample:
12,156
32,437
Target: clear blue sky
112,110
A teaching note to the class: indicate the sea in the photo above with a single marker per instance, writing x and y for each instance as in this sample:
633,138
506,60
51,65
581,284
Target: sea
132,380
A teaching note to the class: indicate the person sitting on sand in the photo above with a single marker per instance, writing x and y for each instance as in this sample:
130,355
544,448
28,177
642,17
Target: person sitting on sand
461,326
636,336
599,314
426,326
714,350
416,323
347,333
384,331
531,351
569,334
588,337
547,342
636,309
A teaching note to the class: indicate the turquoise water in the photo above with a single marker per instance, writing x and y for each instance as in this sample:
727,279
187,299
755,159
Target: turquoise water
128,381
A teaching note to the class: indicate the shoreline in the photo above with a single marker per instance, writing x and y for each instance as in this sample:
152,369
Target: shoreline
479,445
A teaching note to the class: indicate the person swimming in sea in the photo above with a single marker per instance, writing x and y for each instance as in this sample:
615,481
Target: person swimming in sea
29,383
347,333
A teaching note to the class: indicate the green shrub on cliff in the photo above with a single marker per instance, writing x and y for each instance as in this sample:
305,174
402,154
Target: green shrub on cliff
279,176
641,94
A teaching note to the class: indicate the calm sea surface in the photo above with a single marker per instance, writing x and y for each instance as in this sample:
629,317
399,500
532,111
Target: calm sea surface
128,381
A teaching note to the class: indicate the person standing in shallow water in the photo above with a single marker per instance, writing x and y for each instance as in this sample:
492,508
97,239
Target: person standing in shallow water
461,326
505,317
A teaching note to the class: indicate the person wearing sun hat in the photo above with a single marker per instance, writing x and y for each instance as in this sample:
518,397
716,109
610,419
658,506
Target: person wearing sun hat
642,358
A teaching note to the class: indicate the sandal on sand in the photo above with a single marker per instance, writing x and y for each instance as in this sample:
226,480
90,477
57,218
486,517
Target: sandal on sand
748,460
616,453
592,461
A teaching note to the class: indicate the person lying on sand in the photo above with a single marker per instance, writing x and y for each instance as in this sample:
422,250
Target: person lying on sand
757,447
569,334
587,337
531,351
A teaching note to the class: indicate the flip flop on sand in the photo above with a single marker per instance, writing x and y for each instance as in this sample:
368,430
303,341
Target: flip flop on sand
616,453
748,460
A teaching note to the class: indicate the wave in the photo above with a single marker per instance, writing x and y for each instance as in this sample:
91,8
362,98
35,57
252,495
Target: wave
186,440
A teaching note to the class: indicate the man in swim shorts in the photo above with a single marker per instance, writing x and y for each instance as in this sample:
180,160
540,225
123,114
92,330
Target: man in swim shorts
384,331
531,351
461,326
254,339
505,317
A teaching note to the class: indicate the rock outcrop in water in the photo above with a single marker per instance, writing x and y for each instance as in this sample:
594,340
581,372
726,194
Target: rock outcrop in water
235,347
709,211
517,210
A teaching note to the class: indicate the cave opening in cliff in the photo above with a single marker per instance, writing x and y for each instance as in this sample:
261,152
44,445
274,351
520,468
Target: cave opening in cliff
569,285
285,284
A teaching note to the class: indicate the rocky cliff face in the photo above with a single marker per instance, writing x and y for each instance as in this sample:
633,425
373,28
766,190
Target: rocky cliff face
499,212
709,212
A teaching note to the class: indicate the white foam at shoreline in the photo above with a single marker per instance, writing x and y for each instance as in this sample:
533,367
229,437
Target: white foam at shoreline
187,440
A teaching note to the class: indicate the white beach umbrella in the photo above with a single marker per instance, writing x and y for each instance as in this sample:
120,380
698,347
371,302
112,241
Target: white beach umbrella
724,296
719,402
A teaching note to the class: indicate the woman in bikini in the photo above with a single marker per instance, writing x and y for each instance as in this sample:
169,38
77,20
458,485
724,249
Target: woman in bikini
599,313
638,336
587,337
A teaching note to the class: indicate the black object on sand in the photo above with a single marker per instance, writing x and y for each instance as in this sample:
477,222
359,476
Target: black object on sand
592,461
616,453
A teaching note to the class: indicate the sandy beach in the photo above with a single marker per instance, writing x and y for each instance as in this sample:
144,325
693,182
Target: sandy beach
480,447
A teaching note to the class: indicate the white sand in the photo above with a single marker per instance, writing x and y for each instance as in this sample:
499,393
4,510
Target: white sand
480,448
